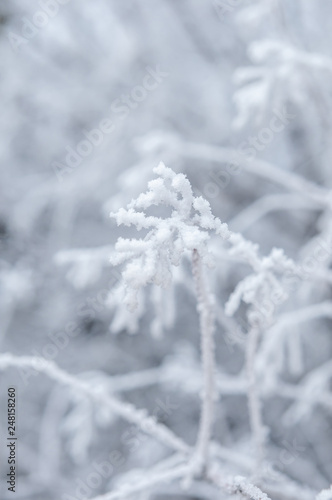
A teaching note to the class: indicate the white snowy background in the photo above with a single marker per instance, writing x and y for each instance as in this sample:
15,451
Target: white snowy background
94,94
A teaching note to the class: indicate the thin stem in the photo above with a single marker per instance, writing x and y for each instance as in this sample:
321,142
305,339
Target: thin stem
205,309
254,402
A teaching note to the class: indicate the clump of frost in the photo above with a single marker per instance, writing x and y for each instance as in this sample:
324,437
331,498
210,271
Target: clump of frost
264,284
149,260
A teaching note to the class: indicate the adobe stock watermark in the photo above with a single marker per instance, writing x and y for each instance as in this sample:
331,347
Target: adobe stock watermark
132,439
59,341
235,336
248,149
286,457
120,107
31,27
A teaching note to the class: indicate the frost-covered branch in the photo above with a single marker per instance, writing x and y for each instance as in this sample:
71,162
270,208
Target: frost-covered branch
124,410
184,228
151,260
256,290
235,486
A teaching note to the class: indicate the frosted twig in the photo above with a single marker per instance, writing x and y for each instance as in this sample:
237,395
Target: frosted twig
236,485
151,260
125,410
256,290
128,412
205,309
186,227
248,490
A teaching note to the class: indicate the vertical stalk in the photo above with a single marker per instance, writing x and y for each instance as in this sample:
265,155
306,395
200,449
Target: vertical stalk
254,402
206,317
